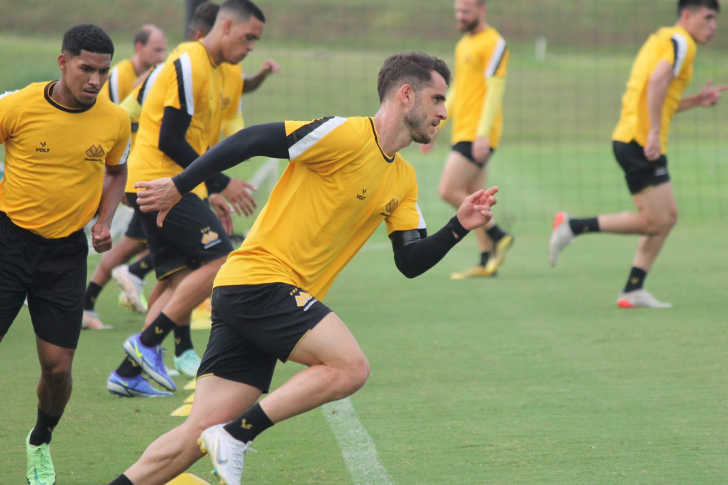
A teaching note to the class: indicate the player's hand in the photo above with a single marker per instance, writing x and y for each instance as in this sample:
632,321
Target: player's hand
100,238
239,194
481,149
653,147
709,96
475,210
223,211
158,195
269,67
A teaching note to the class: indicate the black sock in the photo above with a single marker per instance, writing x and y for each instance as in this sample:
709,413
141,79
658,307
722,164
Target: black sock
495,234
484,257
43,431
582,226
155,333
253,422
129,368
121,480
142,267
182,339
636,279
92,293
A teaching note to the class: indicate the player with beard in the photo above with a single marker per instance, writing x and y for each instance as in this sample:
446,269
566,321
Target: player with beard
475,104
267,298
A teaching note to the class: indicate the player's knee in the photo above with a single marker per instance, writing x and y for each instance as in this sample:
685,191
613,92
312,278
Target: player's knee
56,374
355,375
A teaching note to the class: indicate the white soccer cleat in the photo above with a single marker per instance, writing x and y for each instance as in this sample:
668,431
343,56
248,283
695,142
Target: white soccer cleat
226,453
132,286
561,236
640,299
92,321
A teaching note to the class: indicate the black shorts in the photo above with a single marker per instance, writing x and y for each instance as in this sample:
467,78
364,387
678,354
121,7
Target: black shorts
255,325
465,148
51,273
639,172
191,235
135,230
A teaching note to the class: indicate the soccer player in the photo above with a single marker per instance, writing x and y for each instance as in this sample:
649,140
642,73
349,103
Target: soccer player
661,72
475,104
181,117
267,298
65,159
150,45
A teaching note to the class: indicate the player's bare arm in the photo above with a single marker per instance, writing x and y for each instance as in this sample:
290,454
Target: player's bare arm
659,82
253,82
707,97
114,182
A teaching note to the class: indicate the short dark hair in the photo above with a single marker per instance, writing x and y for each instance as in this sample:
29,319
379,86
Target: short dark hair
413,68
142,36
243,8
204,17
695,4
89,38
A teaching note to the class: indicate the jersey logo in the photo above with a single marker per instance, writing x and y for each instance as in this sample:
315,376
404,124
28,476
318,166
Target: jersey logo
210,238
94,153
305,300
389,208
42,148
362,196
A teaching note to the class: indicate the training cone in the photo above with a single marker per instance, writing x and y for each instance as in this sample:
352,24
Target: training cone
188,479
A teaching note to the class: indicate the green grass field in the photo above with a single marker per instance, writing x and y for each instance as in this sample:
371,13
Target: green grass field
533,377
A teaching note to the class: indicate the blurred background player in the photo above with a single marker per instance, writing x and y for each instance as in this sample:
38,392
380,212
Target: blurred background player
475,104
150,45
47,197
180,119
661,72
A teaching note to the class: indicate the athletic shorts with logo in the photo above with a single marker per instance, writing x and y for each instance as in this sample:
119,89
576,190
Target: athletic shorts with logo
465,148
639,172
191,235
51,273
254,326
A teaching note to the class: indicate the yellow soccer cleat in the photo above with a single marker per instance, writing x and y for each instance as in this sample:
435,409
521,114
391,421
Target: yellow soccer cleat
188,479
476,272
500,252
202,316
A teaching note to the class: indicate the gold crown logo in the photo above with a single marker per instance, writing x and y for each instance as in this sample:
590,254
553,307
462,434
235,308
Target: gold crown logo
95,151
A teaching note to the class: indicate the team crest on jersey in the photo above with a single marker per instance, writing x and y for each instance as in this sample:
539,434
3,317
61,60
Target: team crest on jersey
94,153
305,300
389,208
209,238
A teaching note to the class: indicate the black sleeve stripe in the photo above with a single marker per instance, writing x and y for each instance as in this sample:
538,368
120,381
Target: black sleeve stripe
140,95
300,133
500,60
674,50
111,91
180,86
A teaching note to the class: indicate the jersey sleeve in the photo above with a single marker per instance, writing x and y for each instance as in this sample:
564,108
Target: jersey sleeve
324,145
675,52
187,85
497,53
406,216
120,151
8,116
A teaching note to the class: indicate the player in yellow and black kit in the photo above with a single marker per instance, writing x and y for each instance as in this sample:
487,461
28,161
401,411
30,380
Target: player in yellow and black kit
661,72
344,179
475,104
150,47
181,117
62,146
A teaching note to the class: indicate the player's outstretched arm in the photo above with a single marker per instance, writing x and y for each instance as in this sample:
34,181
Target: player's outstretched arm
415,252
708,96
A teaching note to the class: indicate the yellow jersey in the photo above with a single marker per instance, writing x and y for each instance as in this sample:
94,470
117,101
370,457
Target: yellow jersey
121,81
477,58
336,191
234,119
671,44
132,103
55,158
189,81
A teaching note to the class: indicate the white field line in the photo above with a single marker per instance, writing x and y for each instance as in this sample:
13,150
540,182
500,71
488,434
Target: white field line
357,447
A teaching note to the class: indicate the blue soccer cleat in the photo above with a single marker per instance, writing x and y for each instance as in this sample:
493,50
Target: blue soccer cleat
136,386
151,359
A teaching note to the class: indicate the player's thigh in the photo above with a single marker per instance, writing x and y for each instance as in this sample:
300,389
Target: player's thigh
55,298
15,270
458,173
330,343
219,400
658,203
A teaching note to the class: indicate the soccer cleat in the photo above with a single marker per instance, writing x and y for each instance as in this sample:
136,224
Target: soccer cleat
500,252
476,272
202,315
640,299
92,321
226,454
132,286
136,386
40,466
561,236
187,363
151,359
